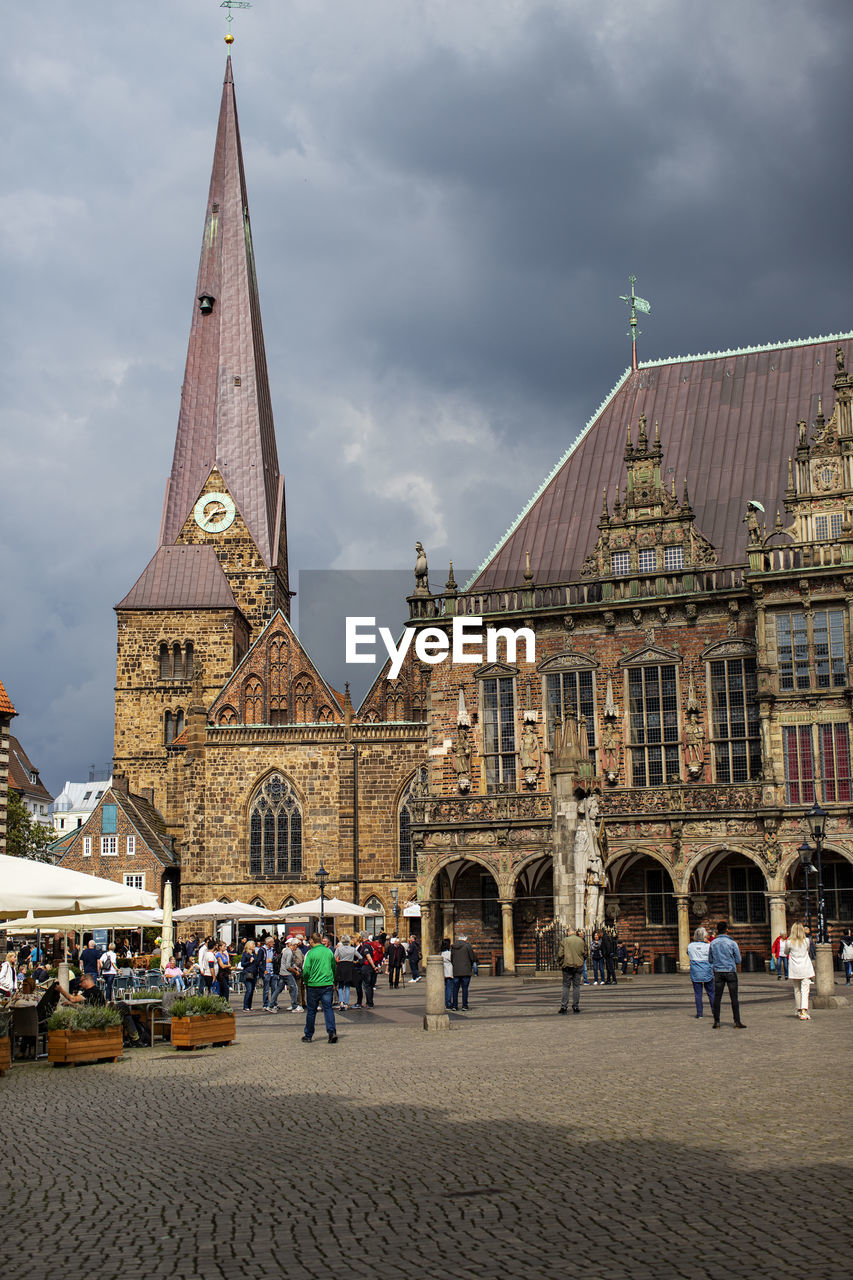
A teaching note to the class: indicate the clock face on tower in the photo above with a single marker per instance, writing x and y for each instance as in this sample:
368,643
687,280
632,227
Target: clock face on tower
214,512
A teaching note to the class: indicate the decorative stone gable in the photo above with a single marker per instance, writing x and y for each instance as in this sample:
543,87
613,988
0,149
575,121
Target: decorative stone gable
820,478
649,531
275,684
403,699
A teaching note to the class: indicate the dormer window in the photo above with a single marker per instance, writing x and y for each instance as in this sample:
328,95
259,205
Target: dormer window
673,558
828,528
620,564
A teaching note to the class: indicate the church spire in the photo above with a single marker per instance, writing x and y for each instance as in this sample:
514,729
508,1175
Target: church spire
226,422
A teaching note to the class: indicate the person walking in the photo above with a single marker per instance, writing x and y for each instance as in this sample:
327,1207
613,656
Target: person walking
571,954
395,954
597,959
249,973
725,958
414,958
345,957
223,969
462,961
800,970
318,974
367,969
845,951
779,951
448,973
608,953
701,973
108,970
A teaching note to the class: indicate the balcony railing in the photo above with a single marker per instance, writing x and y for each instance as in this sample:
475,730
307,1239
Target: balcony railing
510,807
800,555
567,595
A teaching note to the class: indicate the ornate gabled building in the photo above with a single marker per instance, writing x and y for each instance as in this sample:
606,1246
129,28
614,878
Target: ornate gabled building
690,695
260,769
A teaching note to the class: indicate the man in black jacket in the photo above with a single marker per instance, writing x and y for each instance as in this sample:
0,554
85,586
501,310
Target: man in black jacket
462,959
608,950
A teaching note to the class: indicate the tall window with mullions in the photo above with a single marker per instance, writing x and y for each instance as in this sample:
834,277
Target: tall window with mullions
653,700
499,732
736,725
275,829
571,693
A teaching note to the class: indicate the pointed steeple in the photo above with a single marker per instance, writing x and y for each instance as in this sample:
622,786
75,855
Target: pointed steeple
226,422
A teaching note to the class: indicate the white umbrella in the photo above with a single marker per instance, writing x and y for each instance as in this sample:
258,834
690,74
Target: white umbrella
331,907
238,910
213,910
101,920
41,890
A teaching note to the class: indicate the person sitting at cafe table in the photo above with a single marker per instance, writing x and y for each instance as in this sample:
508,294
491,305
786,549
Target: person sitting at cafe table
85,990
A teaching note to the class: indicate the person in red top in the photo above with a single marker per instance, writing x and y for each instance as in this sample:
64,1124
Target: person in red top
780,953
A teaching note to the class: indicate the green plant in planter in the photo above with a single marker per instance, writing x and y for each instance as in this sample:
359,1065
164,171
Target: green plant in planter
146,993
154,963
199,1006
83,1017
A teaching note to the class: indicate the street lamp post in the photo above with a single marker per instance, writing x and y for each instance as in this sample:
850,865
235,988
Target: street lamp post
805,851
395,903
321,877
816,818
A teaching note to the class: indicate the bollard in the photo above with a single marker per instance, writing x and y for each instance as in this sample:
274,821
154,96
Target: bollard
64,974
824,996
435,1018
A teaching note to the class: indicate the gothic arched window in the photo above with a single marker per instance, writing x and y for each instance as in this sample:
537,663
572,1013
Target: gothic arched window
303,700
253,696
375,922
228,716
395,702
417,786
278,681
165,662
275,829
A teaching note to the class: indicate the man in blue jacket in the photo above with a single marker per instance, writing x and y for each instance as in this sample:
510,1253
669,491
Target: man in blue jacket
725,958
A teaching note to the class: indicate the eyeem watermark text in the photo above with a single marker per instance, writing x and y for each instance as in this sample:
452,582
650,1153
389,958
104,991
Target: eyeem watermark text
434,645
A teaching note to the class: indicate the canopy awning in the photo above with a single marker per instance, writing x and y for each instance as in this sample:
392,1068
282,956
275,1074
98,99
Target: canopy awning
39,889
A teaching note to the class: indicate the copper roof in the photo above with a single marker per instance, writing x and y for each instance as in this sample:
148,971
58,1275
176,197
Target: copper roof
182,577
727,422
225,419
6,708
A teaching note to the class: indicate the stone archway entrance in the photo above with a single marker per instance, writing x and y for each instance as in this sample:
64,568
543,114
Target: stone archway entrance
640,901
727,885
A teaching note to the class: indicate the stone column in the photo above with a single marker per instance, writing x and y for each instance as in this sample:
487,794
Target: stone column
682,904
778,916
435,1017
508,937
568,897
447,918
426,930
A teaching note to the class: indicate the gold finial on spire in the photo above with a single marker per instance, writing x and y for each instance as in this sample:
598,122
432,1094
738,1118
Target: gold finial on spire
229,5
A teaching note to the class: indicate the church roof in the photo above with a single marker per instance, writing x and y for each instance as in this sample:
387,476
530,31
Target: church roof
6,708
185,577
225,418
728,422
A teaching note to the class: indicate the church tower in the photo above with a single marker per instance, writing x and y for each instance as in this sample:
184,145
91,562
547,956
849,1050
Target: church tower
220,569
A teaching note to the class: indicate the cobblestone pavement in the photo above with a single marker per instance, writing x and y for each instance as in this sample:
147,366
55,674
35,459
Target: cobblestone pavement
632,1141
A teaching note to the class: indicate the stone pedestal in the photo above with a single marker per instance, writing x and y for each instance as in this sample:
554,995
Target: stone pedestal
426,929
823,996
568,896
508,937
435,1018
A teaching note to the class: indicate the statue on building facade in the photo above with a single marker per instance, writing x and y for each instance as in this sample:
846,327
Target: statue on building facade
461,756
694,744
531,754
589,865
421,571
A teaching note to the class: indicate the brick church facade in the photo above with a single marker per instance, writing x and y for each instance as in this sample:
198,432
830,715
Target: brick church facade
650,765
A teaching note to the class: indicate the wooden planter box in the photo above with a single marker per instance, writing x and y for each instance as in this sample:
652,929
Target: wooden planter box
5,1054
67,1047
195,1033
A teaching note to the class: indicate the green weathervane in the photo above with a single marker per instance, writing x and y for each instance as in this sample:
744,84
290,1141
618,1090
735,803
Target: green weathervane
229,5
636,304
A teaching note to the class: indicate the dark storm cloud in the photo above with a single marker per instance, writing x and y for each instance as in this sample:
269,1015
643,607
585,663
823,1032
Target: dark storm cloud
447,199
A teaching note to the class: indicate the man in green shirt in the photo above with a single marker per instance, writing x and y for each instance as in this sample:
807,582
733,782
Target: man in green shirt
318,974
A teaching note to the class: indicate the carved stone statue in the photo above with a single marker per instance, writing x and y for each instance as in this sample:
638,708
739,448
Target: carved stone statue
753,528
531,754
610,750
421,571
839,359
589,865
462,758
694,744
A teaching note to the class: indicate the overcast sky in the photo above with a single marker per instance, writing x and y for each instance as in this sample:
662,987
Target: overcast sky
447,199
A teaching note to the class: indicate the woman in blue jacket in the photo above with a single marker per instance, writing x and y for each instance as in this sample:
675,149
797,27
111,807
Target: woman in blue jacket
701,973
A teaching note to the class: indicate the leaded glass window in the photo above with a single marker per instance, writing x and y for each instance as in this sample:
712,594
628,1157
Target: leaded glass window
499,732
653,699
275,829
736,726
660,901
747,901
835,761
571,693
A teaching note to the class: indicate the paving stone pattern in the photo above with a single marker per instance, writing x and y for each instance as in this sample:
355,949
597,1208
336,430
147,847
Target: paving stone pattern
630,1141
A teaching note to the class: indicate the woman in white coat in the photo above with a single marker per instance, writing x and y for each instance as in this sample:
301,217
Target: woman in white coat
800,969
